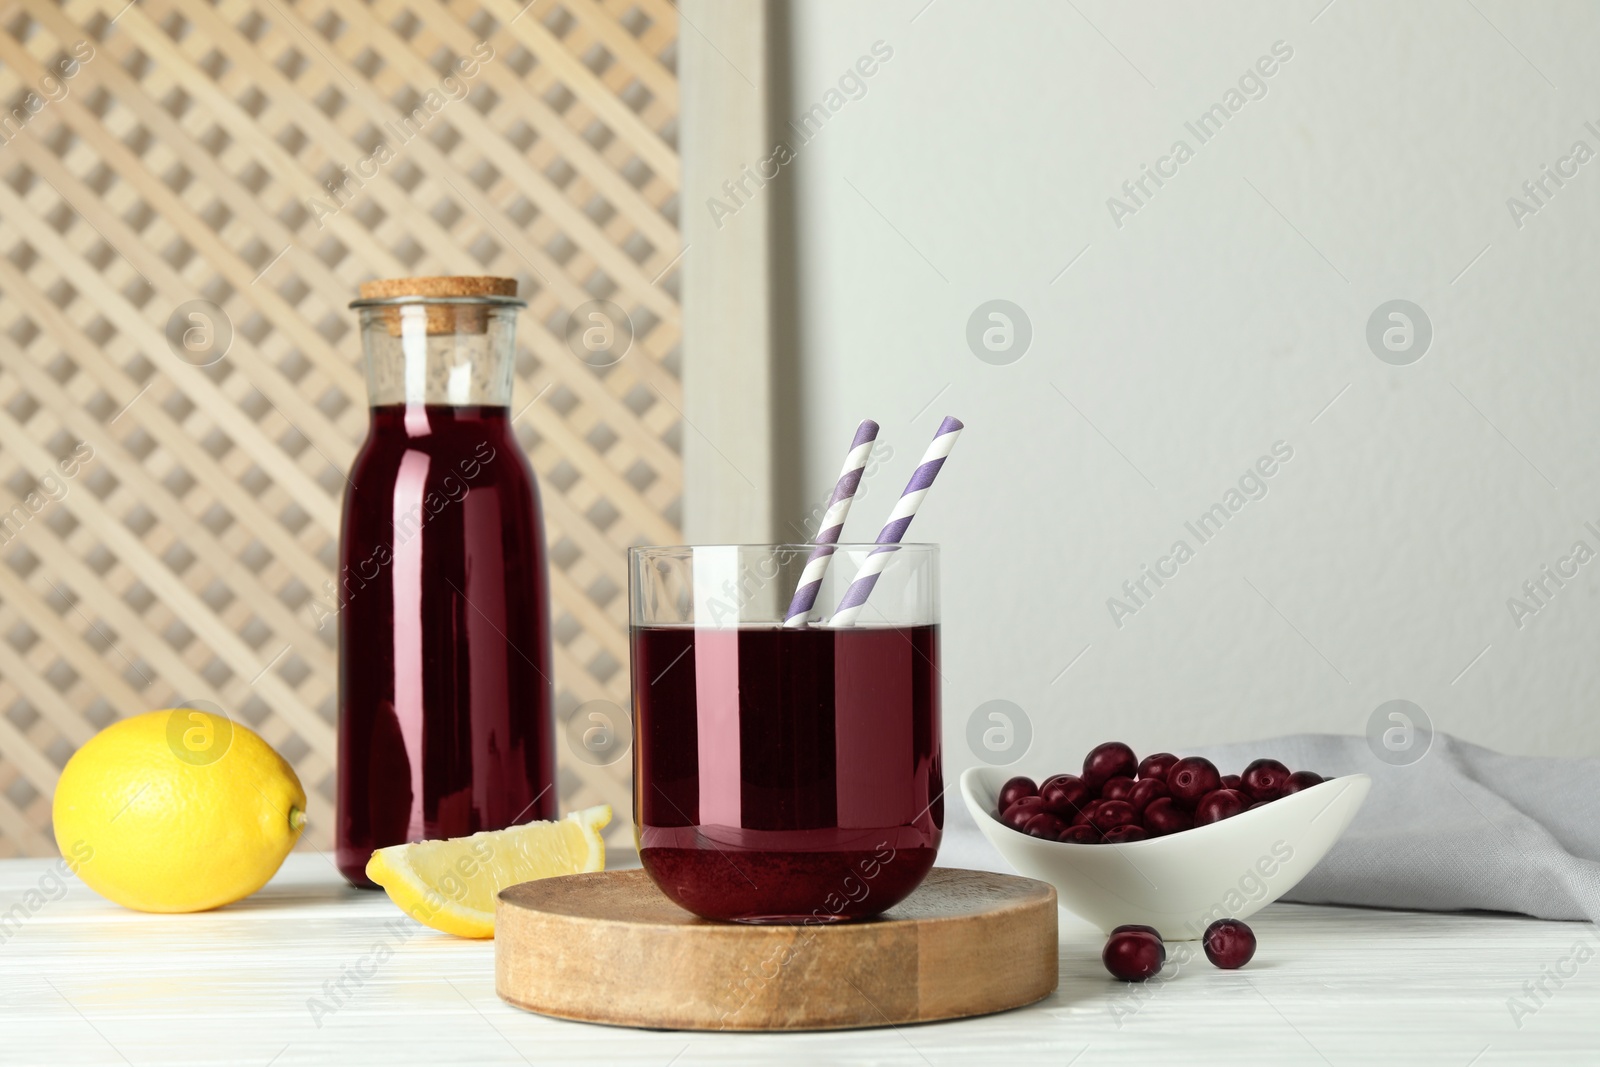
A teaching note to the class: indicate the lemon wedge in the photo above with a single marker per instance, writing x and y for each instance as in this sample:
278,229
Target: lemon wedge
451,885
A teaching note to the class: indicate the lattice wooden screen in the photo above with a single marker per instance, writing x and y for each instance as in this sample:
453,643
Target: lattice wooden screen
188,156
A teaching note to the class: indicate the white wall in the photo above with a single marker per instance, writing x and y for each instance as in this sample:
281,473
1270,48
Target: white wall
1202,331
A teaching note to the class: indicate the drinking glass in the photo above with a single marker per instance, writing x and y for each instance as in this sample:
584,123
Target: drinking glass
784,774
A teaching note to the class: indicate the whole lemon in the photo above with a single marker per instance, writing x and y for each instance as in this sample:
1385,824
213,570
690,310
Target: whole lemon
177,810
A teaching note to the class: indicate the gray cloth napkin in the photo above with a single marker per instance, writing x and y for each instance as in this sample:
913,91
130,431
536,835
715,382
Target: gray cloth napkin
1462,828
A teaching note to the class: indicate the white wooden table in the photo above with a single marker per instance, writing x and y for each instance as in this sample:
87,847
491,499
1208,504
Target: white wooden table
83,981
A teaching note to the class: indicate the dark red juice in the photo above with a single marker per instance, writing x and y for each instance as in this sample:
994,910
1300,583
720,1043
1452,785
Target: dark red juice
444,688
787,775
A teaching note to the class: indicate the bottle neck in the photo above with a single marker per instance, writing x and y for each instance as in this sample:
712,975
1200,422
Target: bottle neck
416,358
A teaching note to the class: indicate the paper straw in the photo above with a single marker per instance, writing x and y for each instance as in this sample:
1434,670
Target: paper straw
894,530
844,491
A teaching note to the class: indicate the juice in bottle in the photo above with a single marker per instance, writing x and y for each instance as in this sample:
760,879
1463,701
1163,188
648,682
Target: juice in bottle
445,694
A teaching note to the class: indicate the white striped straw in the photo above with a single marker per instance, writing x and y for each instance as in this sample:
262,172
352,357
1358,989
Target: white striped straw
855,598
844,491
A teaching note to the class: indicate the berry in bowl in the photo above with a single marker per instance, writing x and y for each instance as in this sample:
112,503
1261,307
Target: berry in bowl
1168,842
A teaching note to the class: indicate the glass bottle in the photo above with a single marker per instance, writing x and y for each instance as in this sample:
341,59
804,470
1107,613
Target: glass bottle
445,693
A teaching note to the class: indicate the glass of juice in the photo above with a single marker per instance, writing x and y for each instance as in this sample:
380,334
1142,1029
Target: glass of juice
784,774
445,698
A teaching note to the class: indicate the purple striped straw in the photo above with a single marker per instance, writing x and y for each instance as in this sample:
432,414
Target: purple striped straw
844,492
855,598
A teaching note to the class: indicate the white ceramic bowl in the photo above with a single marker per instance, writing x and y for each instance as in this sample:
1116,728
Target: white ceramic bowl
1182,882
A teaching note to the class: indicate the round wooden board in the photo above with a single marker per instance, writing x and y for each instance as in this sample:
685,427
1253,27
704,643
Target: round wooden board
610,948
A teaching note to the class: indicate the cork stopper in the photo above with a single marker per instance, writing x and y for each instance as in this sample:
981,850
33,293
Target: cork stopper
443,318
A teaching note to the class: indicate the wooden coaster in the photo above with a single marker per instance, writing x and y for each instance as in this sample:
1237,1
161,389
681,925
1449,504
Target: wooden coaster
610,948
